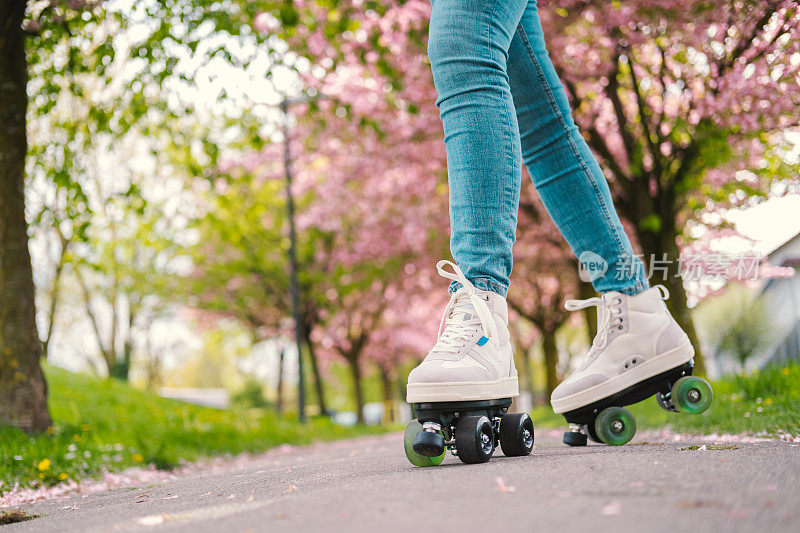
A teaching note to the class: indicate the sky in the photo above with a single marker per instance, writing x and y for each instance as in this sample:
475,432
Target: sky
770,223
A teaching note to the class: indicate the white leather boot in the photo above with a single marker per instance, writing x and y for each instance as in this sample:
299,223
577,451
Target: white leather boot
473,357
637,338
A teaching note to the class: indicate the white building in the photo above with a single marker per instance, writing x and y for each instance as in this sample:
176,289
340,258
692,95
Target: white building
782,296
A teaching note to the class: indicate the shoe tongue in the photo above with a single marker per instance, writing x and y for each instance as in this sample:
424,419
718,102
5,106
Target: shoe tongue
464,310
464,317
611,296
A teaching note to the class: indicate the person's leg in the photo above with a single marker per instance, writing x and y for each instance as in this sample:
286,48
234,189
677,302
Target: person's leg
637,338
468,48
563,169
472,359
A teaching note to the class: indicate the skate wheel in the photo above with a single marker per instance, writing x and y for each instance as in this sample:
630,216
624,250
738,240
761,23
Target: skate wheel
574,438
416,459
615,426
592,433
692,394
516,434
474,439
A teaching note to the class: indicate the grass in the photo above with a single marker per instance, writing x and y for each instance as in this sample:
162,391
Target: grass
105,425
764,402
14,516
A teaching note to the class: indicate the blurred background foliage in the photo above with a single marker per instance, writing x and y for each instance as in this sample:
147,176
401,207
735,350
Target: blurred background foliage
156,195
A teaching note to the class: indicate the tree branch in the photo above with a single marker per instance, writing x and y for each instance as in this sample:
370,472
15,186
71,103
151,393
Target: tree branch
87,298
612,92
747,42
598,142
642,107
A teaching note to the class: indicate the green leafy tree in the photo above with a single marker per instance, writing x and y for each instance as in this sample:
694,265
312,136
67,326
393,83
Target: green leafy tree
79,47
240,257
123,270
737,323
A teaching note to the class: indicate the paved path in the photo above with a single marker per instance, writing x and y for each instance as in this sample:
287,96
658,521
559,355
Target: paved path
367,485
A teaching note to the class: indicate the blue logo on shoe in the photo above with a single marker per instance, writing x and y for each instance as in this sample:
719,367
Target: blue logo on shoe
483,340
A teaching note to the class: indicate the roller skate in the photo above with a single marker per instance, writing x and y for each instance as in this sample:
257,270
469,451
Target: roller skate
639,352
461,392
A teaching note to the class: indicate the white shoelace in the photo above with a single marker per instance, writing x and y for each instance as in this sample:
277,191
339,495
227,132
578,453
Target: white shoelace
452,334
606,319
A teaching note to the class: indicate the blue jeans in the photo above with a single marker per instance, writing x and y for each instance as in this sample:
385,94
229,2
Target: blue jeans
501,103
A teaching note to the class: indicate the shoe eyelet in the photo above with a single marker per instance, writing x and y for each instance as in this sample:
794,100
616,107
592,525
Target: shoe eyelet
620,328
619,301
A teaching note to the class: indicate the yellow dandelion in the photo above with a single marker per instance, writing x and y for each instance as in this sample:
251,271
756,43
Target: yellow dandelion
62,476
44,464
41,475
768,401
785,371
138,457
76,437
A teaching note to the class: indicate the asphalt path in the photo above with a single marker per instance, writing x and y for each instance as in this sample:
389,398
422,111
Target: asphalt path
367,485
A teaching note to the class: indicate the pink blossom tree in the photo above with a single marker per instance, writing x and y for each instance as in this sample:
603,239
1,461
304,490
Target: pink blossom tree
545,275
684,103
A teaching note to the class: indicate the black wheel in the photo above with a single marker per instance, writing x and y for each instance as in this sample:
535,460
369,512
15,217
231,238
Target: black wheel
516,434
474,439
572,438
429,444
592,433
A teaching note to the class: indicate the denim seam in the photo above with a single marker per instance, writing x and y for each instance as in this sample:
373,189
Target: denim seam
570,141
507,194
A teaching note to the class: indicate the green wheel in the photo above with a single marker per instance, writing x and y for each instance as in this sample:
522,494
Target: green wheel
416,459
615,426
691,394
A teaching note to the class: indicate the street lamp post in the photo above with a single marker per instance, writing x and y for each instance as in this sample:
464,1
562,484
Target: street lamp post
294,288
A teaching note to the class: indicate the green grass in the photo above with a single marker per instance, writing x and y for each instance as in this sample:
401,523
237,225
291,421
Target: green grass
764,402
105,425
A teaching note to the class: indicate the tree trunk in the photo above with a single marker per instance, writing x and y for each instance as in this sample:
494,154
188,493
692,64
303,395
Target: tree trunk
318,384
524,367
677,305
658,246
355,369
23,389
55,293
550,360
388,395
122,367
279,392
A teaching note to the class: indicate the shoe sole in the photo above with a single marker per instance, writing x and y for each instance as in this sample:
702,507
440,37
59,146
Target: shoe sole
462,391
664,362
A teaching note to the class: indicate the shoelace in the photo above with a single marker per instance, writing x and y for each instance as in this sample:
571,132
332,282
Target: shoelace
452,334
606,320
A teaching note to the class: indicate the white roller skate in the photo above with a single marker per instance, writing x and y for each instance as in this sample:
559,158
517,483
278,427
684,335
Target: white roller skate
639,351
463,388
